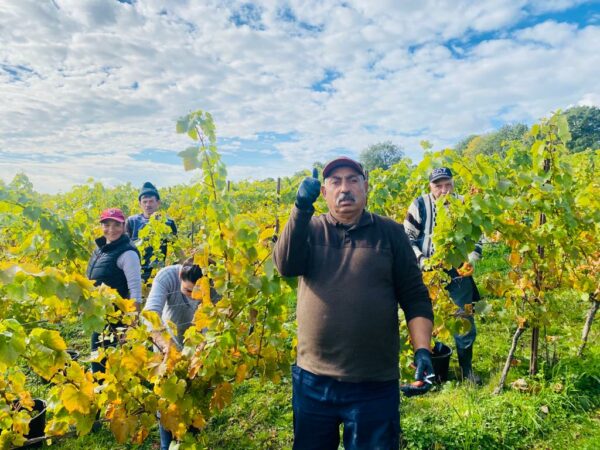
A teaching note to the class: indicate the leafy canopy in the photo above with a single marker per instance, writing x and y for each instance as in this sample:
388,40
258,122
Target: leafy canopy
382,155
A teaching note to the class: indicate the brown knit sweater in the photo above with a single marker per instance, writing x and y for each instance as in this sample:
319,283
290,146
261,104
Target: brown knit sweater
351,282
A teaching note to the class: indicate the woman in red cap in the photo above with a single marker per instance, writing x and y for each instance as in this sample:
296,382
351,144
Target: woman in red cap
116,263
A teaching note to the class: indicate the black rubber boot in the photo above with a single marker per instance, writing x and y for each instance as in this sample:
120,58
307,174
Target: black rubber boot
465,361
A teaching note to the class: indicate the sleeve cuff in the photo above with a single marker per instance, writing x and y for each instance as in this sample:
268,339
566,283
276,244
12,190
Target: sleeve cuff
474,257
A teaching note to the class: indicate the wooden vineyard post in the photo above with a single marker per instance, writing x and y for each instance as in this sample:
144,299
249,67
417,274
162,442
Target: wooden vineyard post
535,331
588,323
511,353
278,202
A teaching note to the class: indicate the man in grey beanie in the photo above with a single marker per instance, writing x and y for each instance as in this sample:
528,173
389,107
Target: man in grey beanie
149,200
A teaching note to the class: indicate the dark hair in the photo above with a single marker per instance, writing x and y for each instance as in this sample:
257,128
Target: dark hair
190,271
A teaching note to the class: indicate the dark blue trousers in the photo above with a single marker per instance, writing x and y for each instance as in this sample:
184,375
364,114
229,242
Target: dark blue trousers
165,437
369,412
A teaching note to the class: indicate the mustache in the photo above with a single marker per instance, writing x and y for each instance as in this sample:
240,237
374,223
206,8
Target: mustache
344,196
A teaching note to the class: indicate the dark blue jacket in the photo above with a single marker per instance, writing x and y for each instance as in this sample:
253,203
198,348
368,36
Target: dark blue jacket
102,267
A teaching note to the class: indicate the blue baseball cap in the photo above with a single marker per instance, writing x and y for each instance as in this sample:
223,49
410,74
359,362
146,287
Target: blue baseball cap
439,173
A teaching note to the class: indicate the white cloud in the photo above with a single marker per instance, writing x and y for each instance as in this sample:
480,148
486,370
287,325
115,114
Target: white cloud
590,99
109,78
551,33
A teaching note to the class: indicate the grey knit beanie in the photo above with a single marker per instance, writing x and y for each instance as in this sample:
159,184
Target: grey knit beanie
148,189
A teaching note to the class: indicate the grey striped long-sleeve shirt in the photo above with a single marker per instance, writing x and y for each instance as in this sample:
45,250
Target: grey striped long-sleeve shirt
419,225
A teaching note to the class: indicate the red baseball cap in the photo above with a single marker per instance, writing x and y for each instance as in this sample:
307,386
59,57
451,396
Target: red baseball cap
342,161
112,214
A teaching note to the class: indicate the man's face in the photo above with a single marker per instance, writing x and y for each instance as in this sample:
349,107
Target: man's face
345,192
441,187
112,230
149,204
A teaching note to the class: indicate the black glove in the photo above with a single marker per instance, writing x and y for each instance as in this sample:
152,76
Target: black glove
424,367
309,191
416,388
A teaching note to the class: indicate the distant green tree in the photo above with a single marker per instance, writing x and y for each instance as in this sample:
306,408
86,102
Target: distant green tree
303,173
464,143
584,125
381,155
495,142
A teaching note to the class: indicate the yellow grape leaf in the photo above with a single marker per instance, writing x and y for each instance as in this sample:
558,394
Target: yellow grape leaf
171,419
49,338
17,379
201,320
234,268
241,372
466,270
123,427
56,427
514,258
201,256
266,234
82,281
222,396
197,291
522,322
153,318
57,306
205,290
199,421
78,375
227,233
135,358
196,362
113,410
125,304
275,378
21,422
140,435
172,357
75,400
26,400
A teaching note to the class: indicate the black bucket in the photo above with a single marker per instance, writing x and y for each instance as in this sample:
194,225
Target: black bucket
37,423
441,361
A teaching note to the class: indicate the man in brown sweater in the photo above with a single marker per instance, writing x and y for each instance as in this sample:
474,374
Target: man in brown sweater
355,268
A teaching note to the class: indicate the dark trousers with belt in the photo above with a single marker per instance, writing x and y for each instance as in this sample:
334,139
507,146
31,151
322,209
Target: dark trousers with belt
369,412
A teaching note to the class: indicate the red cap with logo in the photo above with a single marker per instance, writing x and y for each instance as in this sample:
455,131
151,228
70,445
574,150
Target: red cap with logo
112,214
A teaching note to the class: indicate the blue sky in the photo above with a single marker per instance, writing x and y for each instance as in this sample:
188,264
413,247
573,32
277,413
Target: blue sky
93,88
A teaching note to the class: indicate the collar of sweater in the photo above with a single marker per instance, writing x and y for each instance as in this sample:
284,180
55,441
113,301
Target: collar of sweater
366,219
107,247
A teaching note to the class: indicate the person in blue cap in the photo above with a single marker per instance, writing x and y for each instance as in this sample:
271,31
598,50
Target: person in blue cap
149,200
419,224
